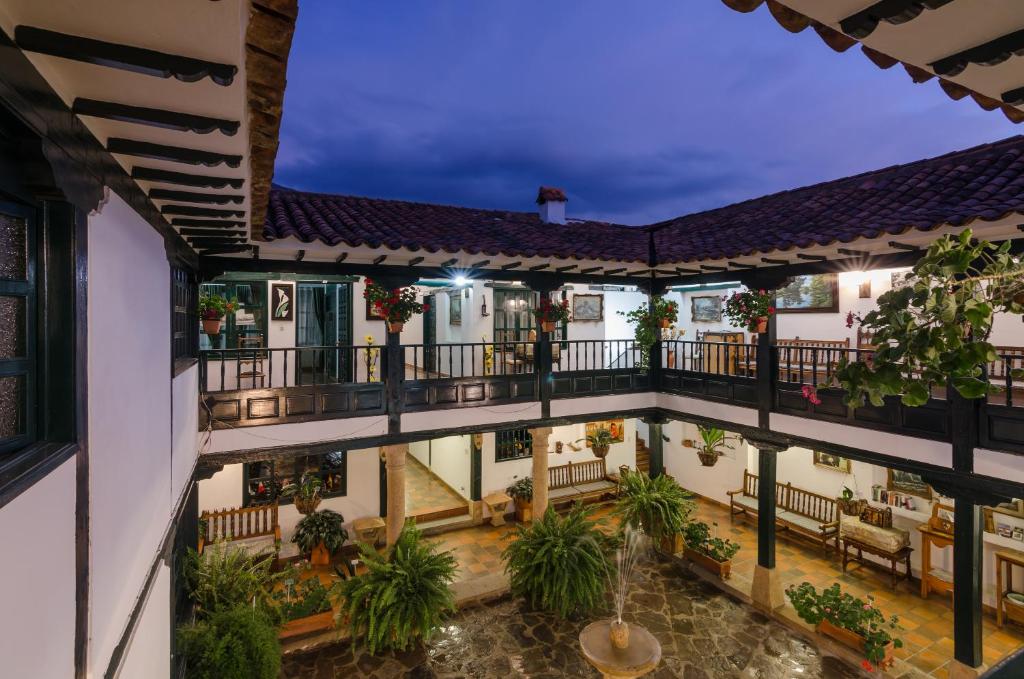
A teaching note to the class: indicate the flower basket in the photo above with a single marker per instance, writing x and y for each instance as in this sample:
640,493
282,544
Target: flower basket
549,314
547,326
524,510
707,459
750,309
600,452
762,324
395,306
720,568
320,556
395,326
211,326
664,323
307,505
852,640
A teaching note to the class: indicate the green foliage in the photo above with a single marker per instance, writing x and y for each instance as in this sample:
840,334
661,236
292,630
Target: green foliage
216,306
302,598
560,564
935,330
697,536
234,643
307,489
714,440
844,610
325,526
747,308
647,322
658,506
521,490
597,438
222,579
404,594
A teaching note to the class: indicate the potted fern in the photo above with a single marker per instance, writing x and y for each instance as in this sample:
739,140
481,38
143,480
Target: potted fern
305,493
713,443
403,596
521,493
321,534
659,507
713,554
560,564
599,441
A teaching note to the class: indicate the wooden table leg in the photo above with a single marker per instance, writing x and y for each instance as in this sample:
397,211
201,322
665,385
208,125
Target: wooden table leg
999,593
846,554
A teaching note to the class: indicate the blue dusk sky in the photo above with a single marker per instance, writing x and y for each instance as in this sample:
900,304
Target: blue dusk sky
641,111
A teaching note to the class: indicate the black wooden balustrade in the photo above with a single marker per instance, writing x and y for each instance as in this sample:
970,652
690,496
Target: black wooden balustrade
261,368
467,359
596,368
723,371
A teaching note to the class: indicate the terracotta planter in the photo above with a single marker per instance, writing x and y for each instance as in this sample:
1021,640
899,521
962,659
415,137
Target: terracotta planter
720,568
1019,298
762,324
708,459
664,323
672,544
395,326
211,326
852,640
524,510
547,326
300,627
304,506
320,556
600,452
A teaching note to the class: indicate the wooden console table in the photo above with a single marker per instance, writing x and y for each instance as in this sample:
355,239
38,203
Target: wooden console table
932,538
894,558
1005,561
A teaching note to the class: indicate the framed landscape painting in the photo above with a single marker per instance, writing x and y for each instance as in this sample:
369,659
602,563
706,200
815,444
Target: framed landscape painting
911,484
830,461
707,309
815,293
588,307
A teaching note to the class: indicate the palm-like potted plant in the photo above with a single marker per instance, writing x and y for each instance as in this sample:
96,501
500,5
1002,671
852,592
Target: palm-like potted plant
212,309
305,493
710,553
396,306
659,507
750,309
521,493
320,535
648,321
714,442
854,622
599,441
550,314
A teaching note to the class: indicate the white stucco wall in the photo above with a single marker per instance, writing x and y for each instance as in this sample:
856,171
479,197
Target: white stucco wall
448,458
37,579
150,651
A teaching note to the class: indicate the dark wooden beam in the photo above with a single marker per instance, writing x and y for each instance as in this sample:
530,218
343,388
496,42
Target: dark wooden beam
590,269
210,232
568,267
853,253
863,23
711,267
990,53
811,258
539,267
903,246
510,265
209,241
450,262
215,223
479,265
611,272
664,272
175,154
152,174
124,57
740,265
379,259
341,258
766,260
195,211
300,255
1014,97
196,197
154,117
415,260
226,250
681,270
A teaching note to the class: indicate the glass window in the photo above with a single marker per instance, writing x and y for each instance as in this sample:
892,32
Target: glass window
264,479
513,315
184,328
513,444
250,320
17,327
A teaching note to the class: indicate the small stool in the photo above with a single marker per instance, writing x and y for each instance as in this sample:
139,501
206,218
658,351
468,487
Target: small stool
497,502
369,529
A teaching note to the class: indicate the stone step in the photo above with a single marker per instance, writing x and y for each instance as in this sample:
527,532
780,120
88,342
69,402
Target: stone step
435,513
438,526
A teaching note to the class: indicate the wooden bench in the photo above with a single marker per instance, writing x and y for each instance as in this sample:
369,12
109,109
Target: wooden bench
249,526
800,359
800,512
579,482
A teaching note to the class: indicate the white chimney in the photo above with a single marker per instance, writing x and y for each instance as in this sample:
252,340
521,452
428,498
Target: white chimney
552,204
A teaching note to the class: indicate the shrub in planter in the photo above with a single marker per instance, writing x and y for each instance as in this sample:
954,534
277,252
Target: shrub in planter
305,494
403,596
648,322
714,554
321,534
221,579
560,564
659,507
832,609
234,643
599,441
750,309
395,306
521,493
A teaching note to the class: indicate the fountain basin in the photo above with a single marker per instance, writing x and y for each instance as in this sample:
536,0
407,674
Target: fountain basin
641,656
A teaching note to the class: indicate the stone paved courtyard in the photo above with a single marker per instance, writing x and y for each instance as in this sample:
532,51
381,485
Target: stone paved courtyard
704,635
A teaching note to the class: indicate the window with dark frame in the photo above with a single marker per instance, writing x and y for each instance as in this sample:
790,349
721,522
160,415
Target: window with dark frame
513,444
184,315
263,480
18,358
250,320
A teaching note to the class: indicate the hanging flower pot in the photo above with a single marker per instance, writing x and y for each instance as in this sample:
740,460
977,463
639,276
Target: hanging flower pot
549,314
307,505
213,308
762,324
600,452
211,326
547,326
395,326
664,323
320,556
707,459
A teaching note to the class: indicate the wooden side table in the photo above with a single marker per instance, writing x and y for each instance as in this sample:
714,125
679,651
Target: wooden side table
497,502
932,538
894,558
1005,561
369,529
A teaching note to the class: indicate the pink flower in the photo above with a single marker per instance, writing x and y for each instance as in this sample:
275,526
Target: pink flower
828,610
849,319
810,394
867,607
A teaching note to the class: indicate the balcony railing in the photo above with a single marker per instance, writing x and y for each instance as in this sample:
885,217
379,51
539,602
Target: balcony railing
254,386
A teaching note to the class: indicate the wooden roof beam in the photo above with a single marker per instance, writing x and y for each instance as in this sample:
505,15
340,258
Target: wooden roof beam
863,23
510,265
196,197
194,211
811,258
215,223
174,154
853,253
990,53
154,117
152,174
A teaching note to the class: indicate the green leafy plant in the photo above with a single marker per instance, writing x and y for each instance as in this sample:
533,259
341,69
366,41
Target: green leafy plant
234,643
214,307
301,598
521,490
748,308
598,437
714,442
935,330
659,506
403,596
221,579
560,564
844,610
396,305
697,536
325,526
306,492
648,322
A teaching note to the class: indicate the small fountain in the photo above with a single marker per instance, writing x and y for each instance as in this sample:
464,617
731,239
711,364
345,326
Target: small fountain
614,647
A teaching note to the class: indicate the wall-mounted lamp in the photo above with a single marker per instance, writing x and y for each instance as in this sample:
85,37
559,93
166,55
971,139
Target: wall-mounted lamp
461,281
483,306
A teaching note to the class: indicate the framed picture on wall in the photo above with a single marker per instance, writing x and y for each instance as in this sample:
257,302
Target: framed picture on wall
706,309
588,307
454,308
282,302
911,484
815,293
833,462
615,427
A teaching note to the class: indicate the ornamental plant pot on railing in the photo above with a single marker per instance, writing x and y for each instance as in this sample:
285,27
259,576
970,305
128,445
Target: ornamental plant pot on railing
852,640
720,568
546,326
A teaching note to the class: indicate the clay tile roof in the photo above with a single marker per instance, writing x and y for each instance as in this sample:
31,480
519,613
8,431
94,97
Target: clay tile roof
550,194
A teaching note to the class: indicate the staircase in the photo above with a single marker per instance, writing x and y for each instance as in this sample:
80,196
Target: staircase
643,456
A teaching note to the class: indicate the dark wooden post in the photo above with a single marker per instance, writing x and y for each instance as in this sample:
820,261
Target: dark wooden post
767,372
656,446
767,589
654,289
964,414
475,467
967,582
542,354
383,478
393,369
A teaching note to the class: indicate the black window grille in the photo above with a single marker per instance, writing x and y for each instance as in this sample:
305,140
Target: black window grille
512,444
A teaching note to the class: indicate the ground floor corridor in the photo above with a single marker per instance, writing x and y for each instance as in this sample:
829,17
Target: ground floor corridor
426,495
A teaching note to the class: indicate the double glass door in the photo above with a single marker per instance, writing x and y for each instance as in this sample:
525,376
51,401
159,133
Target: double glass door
323,322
